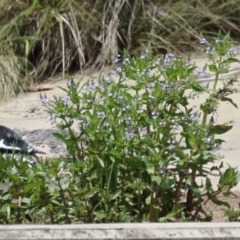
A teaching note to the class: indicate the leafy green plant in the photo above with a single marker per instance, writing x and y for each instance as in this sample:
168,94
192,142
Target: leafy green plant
233,214
140,143
136,146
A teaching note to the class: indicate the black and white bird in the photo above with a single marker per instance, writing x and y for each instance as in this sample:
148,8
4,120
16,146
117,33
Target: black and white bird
11,143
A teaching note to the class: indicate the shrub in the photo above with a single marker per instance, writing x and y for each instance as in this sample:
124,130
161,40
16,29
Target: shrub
136,145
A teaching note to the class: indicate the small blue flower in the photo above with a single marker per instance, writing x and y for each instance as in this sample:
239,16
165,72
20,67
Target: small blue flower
117,69
126,107
151,96
79,121
169,57
120,98
210,51
195,117
128,120
117,58
109,78
92,86
155,115
44,100
203,41
66,99
232,52
202,72
165,86
129,134
101,114
142,130
52,117
126,60
144,54
71,84
175,126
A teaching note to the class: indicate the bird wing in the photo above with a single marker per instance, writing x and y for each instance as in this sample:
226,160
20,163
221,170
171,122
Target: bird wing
9,140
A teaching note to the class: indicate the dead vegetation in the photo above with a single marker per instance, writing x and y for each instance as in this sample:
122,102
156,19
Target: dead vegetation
39,38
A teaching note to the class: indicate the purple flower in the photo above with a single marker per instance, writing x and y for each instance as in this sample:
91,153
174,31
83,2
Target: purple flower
155,115
194,117
101,114
52,117
71,84
126,60
129,133
128,120
117,69
202,72
203,41
210,50
233,52
142,130
144,54
116,58
66,99
109,78
169,57
44,100
126,107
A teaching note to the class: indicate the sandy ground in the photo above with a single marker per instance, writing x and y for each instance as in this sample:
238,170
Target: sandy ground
26,112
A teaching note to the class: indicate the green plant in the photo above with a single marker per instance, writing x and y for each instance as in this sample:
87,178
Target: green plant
233,214
140,143
136,146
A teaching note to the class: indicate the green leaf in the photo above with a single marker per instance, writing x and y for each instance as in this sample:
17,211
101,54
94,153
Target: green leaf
218,202
149,167
192,141
219,129
100,215
26,200
59,136
156,179
101,162
213,68
225,99
65,182
231,60
229,178
176,210
6,196
208,183
198,88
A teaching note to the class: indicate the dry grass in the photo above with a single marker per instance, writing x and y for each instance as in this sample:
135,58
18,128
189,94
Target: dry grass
52,36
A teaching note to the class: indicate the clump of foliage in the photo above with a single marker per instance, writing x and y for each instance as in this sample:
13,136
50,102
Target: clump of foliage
136,146
53,36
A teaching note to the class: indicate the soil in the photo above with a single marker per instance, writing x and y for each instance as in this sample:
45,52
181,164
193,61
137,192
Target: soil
218,211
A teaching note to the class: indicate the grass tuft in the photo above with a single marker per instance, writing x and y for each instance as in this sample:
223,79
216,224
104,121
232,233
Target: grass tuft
62,36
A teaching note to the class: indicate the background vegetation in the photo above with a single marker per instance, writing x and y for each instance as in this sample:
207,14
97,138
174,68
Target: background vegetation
42,37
